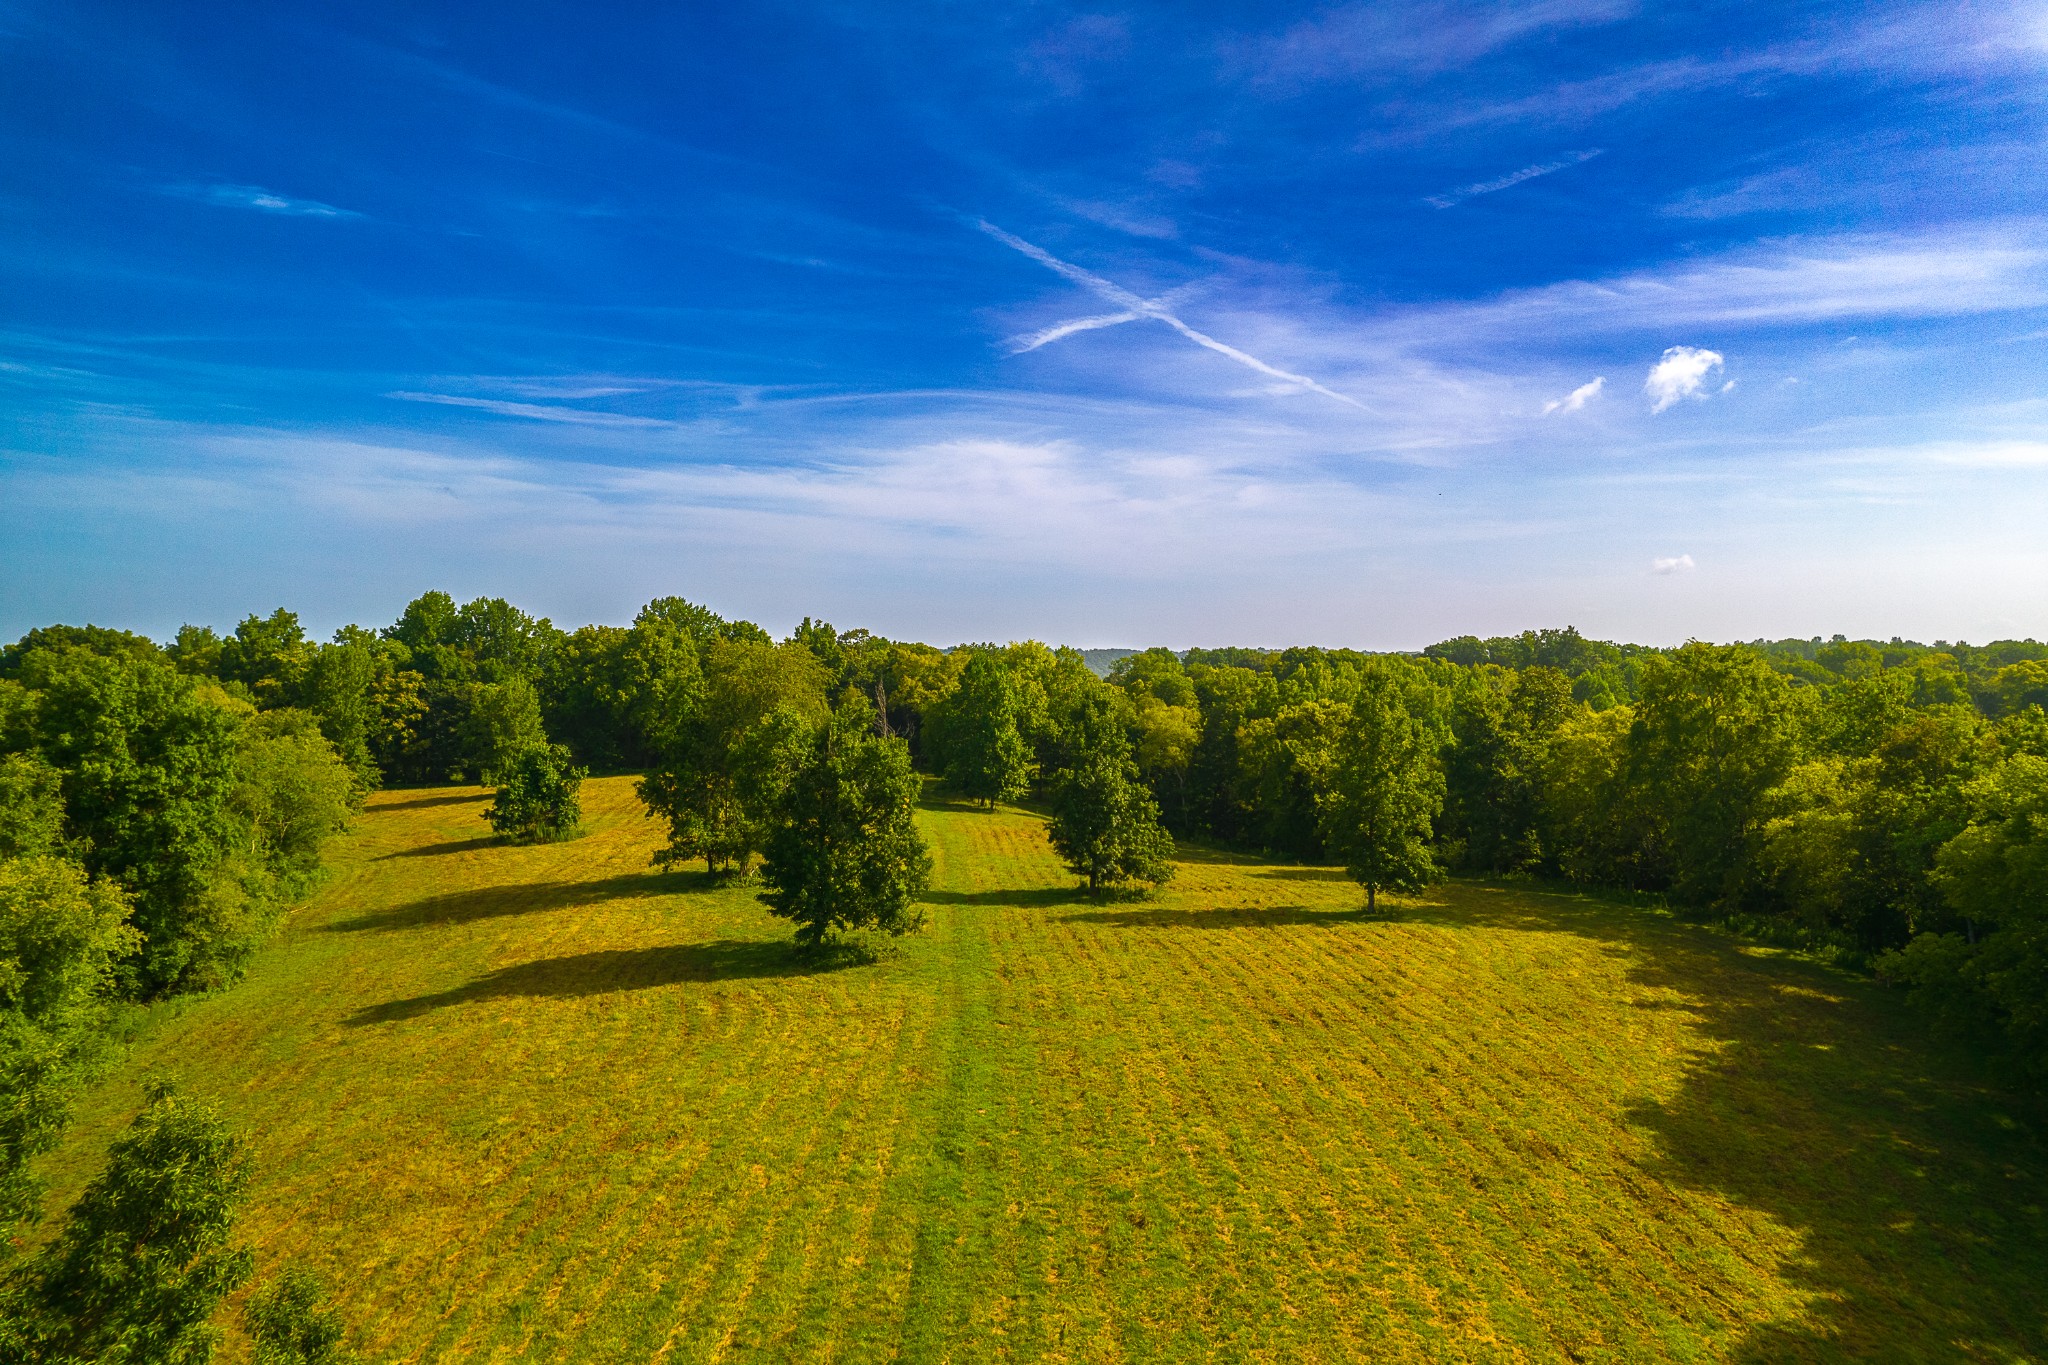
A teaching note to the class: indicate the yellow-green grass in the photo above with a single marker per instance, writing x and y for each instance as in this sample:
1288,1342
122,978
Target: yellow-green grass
544,1104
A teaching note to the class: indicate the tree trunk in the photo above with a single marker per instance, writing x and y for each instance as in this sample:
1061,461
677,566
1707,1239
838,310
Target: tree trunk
1372,899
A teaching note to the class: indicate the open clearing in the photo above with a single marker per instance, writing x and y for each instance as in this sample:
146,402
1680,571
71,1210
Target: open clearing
541,1103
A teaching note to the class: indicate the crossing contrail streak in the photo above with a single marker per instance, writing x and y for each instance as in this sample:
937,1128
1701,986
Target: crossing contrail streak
1133,308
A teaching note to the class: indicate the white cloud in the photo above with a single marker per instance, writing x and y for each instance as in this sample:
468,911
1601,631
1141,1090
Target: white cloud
1675,564
1452,198
1577,398
1682,373
262,200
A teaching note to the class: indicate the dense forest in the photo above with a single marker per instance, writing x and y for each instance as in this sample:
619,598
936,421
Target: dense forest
1885,804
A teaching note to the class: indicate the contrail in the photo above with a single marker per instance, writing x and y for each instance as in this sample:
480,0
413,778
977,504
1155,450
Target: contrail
1452,198
1134,308
1067,329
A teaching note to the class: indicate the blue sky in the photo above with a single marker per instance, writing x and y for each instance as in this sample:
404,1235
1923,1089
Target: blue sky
1347,324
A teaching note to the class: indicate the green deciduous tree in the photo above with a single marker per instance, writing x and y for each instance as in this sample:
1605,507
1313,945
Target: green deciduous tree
290,1323
703,786
61,938
1105,822
844,852
537,798
986,756
150,769
1994,874
1386,792
1715,730
503,722
268,656
145,1255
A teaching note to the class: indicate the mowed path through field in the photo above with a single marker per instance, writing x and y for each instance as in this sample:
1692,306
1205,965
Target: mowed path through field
544,1104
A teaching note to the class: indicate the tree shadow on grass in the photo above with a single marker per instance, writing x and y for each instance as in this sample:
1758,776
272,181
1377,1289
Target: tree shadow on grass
1224,917
444,847
1301,874
1917,1186
421,802
617,970
1037,895
520,898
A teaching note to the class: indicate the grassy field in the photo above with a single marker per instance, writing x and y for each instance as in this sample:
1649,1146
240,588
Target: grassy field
540,1103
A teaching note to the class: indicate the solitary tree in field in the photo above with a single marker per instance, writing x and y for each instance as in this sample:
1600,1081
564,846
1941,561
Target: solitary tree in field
986,756
1105,823
537,795
844,851
1388,789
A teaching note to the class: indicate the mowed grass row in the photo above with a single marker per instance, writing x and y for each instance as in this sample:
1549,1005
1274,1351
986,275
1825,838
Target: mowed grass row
541,1103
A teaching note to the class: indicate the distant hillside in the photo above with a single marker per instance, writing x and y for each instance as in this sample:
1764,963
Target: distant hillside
1102,660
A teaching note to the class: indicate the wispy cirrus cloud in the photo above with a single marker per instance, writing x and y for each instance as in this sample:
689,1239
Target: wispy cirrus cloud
1429,36
1577,398
539,412
1134,308
1908,42
1452,198
1788,283
261,200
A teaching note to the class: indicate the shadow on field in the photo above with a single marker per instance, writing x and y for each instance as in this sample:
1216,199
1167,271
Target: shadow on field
937,800
519,898
1300,874
1918,1188
1224,917
613,971
1037,895
446,846
421,802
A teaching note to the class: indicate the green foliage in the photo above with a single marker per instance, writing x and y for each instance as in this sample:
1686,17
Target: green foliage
31,806
196,650
150,773
144,1257
503,722
107,644
269,656
1386,791
615,695
844,852
1994,874
708,786
1105,822
1715,730
1494,774
61,938
211,814
292,792
986,756
290,1325
537,797
339,687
